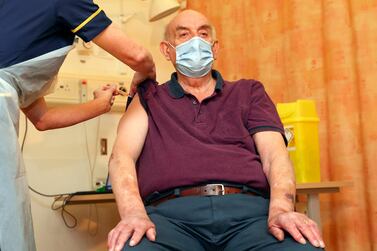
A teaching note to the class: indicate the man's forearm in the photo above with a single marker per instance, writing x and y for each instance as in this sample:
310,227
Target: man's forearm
282,185
125,186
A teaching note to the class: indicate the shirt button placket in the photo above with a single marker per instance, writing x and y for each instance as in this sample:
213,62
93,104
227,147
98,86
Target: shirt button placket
199,115
196,109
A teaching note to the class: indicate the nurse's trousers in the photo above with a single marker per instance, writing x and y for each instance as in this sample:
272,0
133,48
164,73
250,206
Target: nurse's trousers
16,229
234,222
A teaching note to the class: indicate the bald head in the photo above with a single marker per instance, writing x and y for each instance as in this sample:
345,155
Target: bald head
190,21
182,28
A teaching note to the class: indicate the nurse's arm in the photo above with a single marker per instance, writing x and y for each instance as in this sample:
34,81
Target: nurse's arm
118,44
134,223
46,118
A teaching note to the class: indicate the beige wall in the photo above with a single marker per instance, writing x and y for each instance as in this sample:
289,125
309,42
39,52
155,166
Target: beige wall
61,161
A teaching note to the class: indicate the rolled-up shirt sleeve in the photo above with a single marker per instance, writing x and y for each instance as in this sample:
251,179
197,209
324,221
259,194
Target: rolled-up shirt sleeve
263,115
84,18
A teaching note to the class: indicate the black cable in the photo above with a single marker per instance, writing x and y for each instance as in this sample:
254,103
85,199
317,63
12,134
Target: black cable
65,211
48,195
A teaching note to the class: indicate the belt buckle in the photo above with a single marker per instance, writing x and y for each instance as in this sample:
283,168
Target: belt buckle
214,189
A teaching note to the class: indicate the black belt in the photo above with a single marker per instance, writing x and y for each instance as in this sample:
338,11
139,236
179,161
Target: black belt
204,190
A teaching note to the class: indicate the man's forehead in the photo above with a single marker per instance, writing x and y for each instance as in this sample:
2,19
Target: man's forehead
194,27
187,19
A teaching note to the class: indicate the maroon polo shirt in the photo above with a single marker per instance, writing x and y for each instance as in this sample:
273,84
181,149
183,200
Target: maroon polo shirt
190,143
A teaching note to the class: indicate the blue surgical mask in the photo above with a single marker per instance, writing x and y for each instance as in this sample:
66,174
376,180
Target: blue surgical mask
194,58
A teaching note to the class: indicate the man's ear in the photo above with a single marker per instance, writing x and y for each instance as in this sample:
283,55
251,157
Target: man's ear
165,49
215,49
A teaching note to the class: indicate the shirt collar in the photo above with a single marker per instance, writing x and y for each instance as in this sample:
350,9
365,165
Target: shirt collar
176,90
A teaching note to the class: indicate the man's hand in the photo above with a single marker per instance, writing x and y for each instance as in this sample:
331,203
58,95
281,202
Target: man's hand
106,93
297,225
137,79
133,227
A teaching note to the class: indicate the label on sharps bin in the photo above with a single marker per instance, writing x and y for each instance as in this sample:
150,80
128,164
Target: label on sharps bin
290,136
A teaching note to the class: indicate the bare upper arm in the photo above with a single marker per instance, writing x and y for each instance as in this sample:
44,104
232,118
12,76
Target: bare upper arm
270,146
132,131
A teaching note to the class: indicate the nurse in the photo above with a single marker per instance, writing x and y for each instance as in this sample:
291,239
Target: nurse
36,35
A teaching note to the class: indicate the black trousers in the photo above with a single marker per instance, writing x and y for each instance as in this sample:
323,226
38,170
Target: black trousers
215,223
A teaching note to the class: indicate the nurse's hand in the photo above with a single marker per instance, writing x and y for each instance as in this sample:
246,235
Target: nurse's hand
133,228
107,94
137,79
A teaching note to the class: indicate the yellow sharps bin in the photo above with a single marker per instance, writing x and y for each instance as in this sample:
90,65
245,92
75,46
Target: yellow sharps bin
300,122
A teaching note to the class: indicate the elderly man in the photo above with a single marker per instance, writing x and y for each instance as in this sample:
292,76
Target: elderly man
206,157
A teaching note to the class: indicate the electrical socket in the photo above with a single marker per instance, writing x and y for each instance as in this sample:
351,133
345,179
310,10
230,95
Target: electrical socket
66,91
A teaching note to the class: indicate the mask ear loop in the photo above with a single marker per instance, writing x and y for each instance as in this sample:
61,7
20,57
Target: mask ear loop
168,47
213,44
170,44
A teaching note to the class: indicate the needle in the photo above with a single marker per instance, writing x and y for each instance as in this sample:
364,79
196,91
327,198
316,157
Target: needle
122,91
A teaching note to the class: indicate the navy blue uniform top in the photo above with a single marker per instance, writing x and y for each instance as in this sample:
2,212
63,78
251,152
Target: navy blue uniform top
31,28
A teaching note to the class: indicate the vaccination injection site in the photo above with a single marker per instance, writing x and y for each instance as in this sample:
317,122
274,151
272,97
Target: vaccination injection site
188,125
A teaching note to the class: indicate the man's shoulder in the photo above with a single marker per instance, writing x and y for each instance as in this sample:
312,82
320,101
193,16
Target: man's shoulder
244,83
150,84
149,87
244,89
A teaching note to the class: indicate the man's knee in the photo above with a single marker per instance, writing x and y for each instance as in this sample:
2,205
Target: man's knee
289,244
143,245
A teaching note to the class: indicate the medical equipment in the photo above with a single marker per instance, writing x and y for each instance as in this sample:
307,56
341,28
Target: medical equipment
123,91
